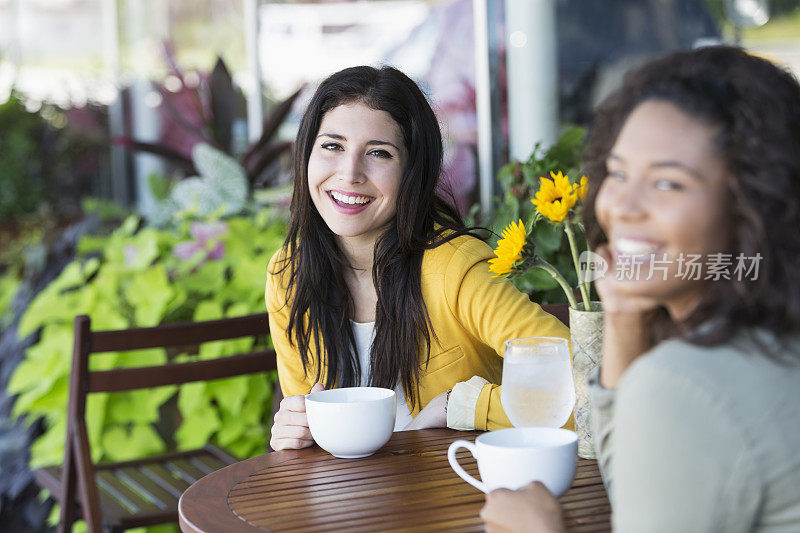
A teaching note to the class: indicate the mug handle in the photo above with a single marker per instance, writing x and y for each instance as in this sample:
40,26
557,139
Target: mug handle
451,457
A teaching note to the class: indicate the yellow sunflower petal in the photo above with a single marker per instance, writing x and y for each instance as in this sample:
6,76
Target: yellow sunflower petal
560,181
580,188
546,193
509,249
555,197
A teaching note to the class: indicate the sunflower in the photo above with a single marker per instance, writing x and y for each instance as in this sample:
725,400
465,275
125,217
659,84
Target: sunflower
580,188
555,197
509,249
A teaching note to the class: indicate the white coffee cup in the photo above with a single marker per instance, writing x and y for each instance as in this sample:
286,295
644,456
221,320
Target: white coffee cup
512,458
351,422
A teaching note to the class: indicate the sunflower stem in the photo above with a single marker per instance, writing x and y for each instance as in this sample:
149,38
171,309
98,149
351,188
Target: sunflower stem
574,249
550,269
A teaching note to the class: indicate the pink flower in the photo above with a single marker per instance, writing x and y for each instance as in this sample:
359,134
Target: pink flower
218,252
131,251
205,231
205,235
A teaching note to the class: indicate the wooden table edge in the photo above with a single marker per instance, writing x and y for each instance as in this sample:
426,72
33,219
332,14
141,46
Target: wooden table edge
203,496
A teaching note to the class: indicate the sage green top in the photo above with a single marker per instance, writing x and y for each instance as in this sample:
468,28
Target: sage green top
701,439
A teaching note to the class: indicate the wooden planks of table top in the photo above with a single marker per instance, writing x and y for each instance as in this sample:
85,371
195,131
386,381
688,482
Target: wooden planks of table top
408,485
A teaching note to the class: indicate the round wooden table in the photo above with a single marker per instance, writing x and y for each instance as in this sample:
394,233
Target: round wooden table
407,485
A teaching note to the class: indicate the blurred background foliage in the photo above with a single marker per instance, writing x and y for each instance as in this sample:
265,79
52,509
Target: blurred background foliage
211,166
44,160
141,276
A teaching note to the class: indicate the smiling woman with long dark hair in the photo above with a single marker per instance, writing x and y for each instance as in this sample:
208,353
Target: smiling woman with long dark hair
379,282
696,407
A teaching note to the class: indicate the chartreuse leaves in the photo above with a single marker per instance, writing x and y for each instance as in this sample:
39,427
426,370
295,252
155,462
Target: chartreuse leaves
122,444
207,279
201,419
149,292
229,393
48,449
133,278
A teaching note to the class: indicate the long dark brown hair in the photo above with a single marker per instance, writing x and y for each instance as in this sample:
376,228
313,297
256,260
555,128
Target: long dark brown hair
755,107
321,302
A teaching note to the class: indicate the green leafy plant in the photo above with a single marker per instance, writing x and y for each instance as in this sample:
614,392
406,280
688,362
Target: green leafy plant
24,137
220,189
217,178
47,155
519,182
137,277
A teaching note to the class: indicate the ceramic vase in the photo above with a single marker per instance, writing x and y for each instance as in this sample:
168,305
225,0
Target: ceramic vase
586,330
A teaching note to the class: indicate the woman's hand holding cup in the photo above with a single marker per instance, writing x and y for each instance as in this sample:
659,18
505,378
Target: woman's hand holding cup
531,508
290,427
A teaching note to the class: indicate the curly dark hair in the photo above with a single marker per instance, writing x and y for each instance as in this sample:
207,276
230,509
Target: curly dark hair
755,106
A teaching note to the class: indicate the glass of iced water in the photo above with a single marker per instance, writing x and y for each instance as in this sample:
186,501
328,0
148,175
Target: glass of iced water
537,382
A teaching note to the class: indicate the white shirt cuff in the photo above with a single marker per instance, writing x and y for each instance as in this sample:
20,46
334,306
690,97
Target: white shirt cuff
461,406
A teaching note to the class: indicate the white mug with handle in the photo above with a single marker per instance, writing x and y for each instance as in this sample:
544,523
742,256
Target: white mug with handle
512,458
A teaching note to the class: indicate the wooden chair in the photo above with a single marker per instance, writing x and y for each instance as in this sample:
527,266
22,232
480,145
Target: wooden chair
119,496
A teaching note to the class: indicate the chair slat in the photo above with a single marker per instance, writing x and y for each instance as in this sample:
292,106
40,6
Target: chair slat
200,465
186,470
210,462
180,334
164,478
220,454
135,502
113,511
49,478
122,379
156,493
136,463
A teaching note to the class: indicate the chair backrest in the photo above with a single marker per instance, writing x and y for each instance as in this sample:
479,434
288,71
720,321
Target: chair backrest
77,454
89,342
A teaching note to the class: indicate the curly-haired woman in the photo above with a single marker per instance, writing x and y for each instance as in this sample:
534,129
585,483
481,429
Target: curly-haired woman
696,159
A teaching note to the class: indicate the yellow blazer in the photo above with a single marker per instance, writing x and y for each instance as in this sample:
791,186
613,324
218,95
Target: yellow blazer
472,314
